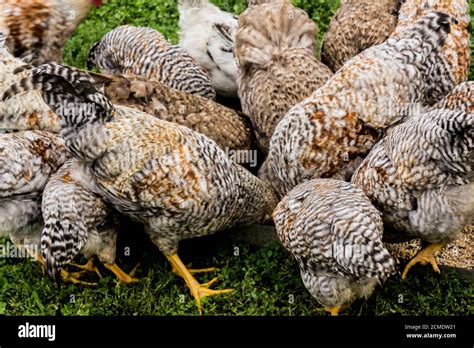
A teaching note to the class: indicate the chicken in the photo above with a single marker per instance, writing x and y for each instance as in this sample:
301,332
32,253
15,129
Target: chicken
460,98
39,29
208,35
328,134
175,181
27,111
228,128
456,51
356,26
27,160
76,220
421,177
145,52
275,46
335,235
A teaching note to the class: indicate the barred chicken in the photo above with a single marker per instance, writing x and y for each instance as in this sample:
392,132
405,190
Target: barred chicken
27,160
356,26
77,221
421,177
39,29
26,111
145,52
175,181
208,35
328,134
335,235
455,51
275,46
230,129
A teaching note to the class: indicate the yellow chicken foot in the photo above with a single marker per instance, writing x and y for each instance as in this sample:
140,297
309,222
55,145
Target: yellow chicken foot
123,277
425,256
67,277
197,290
74,278
199,270
88,267
333,310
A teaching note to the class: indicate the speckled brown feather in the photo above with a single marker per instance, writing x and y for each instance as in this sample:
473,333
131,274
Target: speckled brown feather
356,26
228,128
26,111
275,45
39,29
27,160
460,98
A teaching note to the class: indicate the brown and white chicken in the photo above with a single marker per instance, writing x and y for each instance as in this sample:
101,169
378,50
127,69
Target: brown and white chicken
39,29
274,48
356,26
421,177
230,129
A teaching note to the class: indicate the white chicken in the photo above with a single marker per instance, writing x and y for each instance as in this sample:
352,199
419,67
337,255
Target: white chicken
207,33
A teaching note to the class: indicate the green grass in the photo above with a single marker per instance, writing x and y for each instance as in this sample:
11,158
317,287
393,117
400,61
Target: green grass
265,280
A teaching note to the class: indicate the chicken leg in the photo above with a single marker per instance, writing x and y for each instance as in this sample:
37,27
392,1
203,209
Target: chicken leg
88,267
425,256
123,277
197,290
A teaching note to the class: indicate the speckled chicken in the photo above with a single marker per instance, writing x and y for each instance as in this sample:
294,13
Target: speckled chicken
175,181
27,160
39,29
208,34
421,177
356,26
328,134
77,221
275,46
26,111
335,235
230,129
145,52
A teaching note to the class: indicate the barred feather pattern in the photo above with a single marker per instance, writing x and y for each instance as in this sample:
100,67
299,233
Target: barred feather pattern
420,176
356,26
275,46
27,160
177,182
456,49
328,134
230,129
208,35
335,235
145,52
39,29
26,111
75,220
